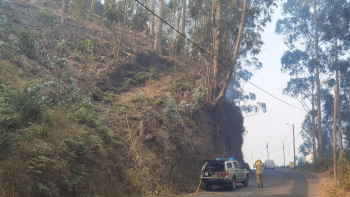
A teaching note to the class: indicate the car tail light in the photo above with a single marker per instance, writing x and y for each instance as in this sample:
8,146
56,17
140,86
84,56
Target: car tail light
225,173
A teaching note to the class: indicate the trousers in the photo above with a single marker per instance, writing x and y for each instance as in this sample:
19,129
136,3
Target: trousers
260,178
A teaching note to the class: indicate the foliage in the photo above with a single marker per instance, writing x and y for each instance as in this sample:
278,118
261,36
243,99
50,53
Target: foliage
139,20
45,16
170,110
28,42
87,46
181,85
62,47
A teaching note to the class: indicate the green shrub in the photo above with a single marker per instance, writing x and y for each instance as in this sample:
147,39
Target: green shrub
62,47
157,103
27,42
87,46
45,16
180,86
140,98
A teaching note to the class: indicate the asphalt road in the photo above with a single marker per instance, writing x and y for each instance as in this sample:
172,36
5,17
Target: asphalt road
276,184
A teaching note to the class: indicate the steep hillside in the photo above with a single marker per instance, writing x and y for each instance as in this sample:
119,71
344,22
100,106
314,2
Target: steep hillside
64,96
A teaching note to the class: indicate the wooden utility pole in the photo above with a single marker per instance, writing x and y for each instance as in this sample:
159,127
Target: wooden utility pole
294,147
335,133
284,157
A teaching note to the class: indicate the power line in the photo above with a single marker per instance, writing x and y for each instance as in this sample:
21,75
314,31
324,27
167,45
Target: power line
195,44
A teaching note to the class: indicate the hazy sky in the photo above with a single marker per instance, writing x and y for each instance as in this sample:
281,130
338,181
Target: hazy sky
271,127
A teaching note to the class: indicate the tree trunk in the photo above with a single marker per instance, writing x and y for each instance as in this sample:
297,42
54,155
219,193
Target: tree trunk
183,17
338,101
217,40
319,117
157,43
151,22
234,59
177,25
335,133
93,2
313,130
125,13
62,12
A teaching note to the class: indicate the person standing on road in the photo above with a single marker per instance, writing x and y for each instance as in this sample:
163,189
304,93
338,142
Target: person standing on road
259,172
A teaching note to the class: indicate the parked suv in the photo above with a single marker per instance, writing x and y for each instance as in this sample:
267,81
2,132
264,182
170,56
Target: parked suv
224,172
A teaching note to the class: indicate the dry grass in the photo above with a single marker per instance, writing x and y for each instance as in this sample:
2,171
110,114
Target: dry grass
330,188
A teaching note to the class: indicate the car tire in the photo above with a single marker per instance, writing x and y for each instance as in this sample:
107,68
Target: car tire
208,186
246,182
233,184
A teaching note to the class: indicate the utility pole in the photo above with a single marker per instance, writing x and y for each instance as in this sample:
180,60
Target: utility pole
252,158
284,158
294,147
335,132
267,148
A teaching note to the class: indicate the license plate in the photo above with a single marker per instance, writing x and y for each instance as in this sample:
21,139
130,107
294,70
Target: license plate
215,175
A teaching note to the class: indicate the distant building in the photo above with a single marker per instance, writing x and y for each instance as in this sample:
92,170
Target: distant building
309,158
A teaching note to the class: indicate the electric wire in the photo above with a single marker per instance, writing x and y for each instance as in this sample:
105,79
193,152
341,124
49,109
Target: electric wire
195,44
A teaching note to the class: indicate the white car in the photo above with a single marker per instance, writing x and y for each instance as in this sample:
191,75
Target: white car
269,164
224,172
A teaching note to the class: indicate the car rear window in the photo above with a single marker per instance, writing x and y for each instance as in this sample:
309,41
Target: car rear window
217,166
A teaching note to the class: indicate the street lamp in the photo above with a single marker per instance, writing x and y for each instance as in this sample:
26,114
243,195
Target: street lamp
293,144
267,148
336,89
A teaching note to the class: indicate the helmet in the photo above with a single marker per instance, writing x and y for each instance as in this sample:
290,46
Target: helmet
259,161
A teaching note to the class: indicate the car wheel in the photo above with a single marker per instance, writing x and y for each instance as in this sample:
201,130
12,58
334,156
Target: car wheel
246,182
208,186
233,184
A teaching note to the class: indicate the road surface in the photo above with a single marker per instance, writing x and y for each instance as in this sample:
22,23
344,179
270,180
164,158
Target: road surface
276,184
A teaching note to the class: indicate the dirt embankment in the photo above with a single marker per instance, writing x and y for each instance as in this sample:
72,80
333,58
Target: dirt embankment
172,135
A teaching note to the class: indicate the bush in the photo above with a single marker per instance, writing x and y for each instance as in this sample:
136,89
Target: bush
27,42
45,16
323,164
87,46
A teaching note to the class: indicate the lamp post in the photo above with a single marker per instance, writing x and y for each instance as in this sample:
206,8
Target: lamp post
293,144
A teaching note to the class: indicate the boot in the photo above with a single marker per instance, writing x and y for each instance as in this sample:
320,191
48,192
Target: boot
258,185
262,185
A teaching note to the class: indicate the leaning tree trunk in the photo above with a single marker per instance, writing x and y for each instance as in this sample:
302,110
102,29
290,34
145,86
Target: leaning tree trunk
177,24
157,43
217,42
234,59
319,117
